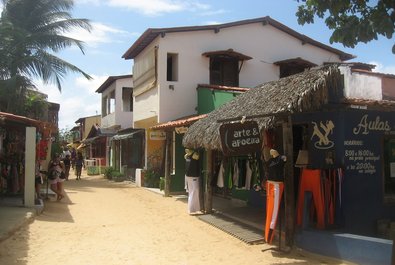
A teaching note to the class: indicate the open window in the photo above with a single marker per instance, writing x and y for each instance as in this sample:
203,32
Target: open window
172,67
293,66
225,67
127,99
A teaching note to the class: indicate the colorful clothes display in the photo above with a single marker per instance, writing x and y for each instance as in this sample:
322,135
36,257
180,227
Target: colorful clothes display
274,191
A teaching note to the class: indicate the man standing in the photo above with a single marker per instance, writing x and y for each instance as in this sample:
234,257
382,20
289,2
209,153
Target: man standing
192,175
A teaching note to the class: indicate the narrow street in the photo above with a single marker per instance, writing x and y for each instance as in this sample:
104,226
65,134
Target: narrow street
103,222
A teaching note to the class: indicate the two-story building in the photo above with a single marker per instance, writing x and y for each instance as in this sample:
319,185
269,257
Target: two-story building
125,146
169,63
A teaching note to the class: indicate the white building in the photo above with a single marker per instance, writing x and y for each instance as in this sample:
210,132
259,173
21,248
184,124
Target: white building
169,63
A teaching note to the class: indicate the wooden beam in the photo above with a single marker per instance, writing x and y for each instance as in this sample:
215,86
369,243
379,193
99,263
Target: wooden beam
289,193
208,198
169,137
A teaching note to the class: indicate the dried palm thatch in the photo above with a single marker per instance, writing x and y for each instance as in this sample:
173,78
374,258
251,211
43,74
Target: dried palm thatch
302,92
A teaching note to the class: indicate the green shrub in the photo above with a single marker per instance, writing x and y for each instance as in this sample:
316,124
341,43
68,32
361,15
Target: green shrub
118,176
109,172
162,183
151,178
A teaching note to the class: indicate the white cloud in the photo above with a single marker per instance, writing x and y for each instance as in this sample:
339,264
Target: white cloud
78,99
152,7
99,34
214,12
387,69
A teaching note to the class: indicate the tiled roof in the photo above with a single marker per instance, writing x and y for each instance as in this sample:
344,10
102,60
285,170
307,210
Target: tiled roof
178,123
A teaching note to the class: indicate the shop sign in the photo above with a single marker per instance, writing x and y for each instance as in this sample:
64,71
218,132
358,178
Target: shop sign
157,135
240,138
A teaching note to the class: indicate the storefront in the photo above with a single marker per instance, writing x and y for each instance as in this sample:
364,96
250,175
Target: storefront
23,147
338,140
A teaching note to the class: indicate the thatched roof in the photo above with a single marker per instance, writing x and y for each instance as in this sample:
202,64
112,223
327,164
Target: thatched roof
302,92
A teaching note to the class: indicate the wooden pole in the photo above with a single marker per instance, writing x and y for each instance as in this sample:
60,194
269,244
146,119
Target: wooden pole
169,136
208,203
289,193
30,164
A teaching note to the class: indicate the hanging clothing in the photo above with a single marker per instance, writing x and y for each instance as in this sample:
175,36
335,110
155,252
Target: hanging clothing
220,177
273,201
276,168
248,176
310,180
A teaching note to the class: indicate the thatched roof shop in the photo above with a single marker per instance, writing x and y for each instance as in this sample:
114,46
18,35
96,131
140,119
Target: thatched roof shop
302,92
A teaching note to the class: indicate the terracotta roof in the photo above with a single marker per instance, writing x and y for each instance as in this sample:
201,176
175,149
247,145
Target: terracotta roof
151,33
110,80
225,88
5,116
178,123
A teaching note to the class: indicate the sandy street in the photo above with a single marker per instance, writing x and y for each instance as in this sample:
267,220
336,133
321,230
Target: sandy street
103,222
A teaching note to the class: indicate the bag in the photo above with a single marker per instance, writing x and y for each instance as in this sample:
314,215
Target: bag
52,174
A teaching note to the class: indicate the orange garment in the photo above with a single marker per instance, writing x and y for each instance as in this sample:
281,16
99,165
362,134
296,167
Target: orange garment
274,194
310,180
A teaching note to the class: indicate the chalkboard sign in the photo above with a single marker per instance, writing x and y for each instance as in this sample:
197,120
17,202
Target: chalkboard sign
362,152
240,138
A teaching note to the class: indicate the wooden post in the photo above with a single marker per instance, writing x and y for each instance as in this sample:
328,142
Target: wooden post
30,166
169,137
289,193
208,202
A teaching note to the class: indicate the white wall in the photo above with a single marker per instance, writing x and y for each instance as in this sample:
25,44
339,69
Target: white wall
362,86
118,117
122,118
265,44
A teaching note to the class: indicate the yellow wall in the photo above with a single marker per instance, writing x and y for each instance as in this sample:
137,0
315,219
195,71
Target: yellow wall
154,148
89,122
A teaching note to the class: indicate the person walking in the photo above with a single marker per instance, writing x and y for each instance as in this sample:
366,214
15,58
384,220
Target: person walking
73,157
67,165
79,163
56,176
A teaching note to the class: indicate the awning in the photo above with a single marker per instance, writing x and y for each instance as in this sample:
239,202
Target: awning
90,140
118,137
230,53
81,146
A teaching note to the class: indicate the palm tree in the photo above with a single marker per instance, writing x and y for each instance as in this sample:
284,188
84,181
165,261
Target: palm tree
31,33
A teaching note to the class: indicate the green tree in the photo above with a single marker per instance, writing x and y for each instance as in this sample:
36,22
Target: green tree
352,21
31,33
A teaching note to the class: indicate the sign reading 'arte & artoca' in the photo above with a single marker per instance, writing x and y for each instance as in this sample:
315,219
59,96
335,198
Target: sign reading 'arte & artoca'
240,138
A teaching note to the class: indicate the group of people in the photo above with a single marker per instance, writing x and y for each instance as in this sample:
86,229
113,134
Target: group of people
59,170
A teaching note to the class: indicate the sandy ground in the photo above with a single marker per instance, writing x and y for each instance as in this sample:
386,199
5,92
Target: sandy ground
103,222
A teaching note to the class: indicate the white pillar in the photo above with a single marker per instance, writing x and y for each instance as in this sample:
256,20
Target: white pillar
30,158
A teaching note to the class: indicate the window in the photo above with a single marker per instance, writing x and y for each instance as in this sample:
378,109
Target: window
172,67
224,71
127,99
104,106
111,103
389,168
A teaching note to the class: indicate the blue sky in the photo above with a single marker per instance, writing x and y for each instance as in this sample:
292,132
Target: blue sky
118,23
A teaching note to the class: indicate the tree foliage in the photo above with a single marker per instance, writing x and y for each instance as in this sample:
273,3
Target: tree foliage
31,33
352,21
